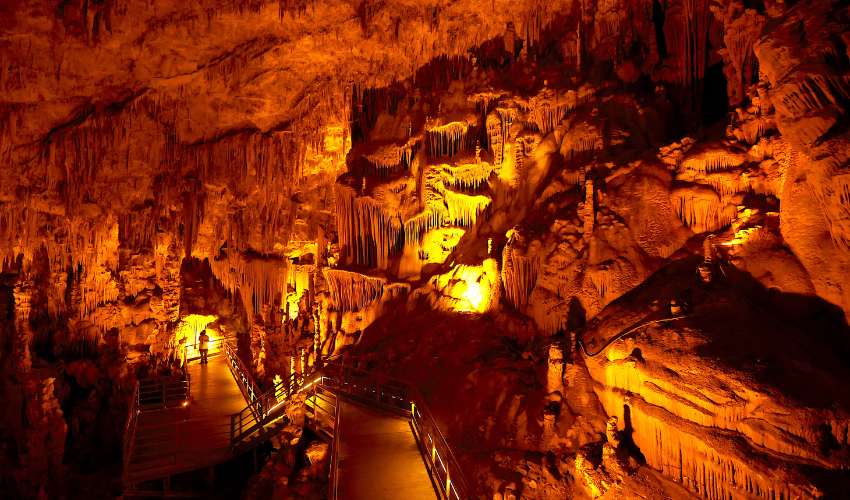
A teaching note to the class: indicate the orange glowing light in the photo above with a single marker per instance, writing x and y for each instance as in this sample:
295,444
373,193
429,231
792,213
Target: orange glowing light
473,294
190,329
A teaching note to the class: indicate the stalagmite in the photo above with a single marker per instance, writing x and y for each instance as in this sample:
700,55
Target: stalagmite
587,211
519,275
555,373
23,331
315,179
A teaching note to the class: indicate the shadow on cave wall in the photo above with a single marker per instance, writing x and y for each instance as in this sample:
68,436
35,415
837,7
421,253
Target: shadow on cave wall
797,343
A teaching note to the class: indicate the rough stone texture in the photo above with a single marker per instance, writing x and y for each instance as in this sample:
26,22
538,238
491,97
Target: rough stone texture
483,197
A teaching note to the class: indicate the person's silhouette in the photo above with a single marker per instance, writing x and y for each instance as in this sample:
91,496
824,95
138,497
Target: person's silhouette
203,346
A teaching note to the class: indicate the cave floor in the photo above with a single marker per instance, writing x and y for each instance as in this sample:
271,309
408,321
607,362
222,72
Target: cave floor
379,457
188,438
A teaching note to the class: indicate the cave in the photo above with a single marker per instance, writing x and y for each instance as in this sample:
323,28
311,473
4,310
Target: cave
308,249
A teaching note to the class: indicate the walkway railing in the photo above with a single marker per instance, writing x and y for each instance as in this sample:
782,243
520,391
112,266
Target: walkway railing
403,398
334,475
241,373
166,445
442,464
324,405
264,409
388,393
216,346
154,394
130,426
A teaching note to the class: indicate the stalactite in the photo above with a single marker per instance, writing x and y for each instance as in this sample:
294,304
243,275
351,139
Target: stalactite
470,178
701,208
416,227
58,286
741,30
708,157
367,104
258,279
352,291
711,462
668,249
602,277
448,140
689,28
465,210
549,316
19,232
584,146
300,280
386,161
367,232
495,137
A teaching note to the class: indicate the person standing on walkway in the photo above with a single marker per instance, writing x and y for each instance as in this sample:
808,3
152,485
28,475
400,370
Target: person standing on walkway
203,345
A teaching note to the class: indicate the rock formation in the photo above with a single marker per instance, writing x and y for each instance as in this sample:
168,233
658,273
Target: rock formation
498,201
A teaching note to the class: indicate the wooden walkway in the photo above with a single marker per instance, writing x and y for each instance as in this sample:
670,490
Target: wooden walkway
196,436
376,454
379,458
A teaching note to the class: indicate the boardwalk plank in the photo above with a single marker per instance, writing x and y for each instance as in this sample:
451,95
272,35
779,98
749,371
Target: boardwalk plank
379,457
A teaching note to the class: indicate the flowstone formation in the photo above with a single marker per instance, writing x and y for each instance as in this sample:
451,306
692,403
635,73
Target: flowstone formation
609,241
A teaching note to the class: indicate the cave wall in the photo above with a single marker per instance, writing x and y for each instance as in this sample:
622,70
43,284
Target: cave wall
302,169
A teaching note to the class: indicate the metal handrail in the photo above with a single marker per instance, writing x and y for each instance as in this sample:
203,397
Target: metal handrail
390,393
154,394
151,394
451,482
265,409
163,449
242,375
130,427
334,472
405,398
221,343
